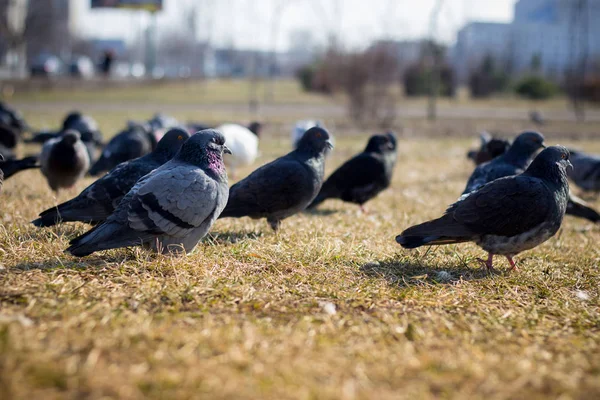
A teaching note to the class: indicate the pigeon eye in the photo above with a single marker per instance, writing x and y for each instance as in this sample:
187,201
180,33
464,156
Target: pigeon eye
563,156
179,137
318,135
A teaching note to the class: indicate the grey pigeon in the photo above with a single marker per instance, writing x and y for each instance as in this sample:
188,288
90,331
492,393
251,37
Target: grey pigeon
284,186
489,148
64,160
513,162
99,200
171,208
133,142
364,176
586,171
506,216
10,166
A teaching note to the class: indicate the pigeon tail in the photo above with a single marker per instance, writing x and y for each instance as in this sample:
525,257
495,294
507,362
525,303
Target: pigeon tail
440,231
11,167
73,210
103,237
579,208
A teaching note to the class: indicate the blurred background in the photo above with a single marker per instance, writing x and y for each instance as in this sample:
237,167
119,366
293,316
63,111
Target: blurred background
365,57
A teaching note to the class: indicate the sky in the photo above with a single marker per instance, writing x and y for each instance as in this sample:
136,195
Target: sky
254,23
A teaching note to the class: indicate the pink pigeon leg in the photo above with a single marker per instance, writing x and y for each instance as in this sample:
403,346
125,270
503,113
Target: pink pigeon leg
363,209
512,264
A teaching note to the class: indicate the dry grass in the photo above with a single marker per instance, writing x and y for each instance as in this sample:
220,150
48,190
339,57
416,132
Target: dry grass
250,314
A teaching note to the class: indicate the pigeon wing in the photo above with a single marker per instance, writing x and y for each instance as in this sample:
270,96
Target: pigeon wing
174,202
505,207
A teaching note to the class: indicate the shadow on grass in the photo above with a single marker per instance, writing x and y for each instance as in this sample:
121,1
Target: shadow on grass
92,262
407,272
230,237
324,212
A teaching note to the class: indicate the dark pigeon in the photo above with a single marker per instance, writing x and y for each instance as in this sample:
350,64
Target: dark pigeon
99,200
489,149
586,171
13,118
506,216
64,160
131,143
284,186
9,137
171,208
12,166
364,176
513,162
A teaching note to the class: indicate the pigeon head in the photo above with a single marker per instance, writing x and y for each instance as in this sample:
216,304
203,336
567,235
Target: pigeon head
70,119
523,148
551,162
255,127
315,140
529,142
205,149
171,142
380,144
392,136
70,137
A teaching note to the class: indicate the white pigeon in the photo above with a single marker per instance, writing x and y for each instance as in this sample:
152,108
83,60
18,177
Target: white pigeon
243,143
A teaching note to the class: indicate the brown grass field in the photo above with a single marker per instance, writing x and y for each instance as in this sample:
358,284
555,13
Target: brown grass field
330,307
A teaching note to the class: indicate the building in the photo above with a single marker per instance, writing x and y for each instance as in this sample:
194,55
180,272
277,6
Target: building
547,35
478,40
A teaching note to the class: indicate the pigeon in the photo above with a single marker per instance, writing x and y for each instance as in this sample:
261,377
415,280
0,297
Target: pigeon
163,121
64,160
98,201
364,176
84,124
506,216
1,174
9,137
586,171
133,142
489,149
513,162
285,186
10,166
13,118
171,208
536,117
302,126
243,143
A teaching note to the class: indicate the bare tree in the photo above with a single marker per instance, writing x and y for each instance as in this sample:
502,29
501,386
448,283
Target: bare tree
579,48
435,60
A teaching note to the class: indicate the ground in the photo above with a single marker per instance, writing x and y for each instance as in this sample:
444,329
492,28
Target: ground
330,307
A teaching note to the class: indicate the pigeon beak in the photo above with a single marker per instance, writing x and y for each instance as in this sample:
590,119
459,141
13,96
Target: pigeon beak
1,157
569,166
543,146
329,144
226,150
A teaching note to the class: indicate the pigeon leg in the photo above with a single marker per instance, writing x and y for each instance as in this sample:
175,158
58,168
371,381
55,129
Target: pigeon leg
363,209
489,263
512,264
274,224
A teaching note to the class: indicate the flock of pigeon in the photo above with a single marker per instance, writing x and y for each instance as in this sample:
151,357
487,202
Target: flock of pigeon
165,185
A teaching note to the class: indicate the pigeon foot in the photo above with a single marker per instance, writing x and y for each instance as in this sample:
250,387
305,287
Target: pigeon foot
489,263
